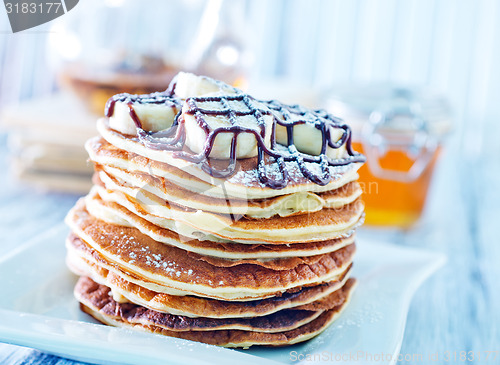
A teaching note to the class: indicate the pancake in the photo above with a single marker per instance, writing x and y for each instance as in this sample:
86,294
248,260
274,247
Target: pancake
317,226
89,292
125,152
116,214
279,263
285,205
167,269
191,306
96,301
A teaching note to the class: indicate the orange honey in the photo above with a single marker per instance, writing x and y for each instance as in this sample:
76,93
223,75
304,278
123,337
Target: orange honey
390,202
401,131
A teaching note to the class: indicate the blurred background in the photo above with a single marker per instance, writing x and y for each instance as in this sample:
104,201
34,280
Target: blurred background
418,80
432,62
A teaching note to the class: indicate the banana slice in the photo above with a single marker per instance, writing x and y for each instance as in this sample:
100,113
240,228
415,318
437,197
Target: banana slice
206,98
188,85
306,137
215,118
153,117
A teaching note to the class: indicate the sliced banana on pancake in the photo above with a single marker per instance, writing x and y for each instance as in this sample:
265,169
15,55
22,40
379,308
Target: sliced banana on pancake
211,106
218,115
186,85
215,120
310,130
152,112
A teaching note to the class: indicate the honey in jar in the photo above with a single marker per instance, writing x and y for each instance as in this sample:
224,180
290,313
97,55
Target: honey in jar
400,132
392,202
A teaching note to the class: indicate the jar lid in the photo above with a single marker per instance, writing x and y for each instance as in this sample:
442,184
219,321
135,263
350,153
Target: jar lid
356,103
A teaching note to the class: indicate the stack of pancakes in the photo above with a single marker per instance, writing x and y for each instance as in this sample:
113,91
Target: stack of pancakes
163,246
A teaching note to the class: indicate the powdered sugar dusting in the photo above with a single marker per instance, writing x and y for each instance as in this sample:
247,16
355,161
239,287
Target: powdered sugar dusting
295,175
130,250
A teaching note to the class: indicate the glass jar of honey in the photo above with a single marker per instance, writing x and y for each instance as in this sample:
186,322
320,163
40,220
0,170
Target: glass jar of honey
400,131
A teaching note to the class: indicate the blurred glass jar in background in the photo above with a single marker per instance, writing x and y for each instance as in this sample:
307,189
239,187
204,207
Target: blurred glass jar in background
113,46
401,133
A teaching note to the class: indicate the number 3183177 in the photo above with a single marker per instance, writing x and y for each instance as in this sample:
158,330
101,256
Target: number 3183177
32,8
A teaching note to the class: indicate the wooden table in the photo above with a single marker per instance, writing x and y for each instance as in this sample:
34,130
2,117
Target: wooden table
456,310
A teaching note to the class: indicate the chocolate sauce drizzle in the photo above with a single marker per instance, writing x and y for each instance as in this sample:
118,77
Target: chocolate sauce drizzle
288,116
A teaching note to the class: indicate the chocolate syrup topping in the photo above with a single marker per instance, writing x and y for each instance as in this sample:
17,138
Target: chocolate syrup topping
288,116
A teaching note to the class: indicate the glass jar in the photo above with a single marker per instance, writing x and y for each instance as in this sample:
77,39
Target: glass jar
113,46
400,131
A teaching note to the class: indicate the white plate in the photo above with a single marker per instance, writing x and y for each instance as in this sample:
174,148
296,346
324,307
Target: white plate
37,309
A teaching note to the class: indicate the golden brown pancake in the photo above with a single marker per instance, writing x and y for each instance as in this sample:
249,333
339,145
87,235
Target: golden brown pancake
285,205
97,302
316,226
192,306
116,214
125,152
171,270
88,291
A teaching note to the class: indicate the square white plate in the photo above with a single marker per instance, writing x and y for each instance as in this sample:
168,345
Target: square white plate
37,309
